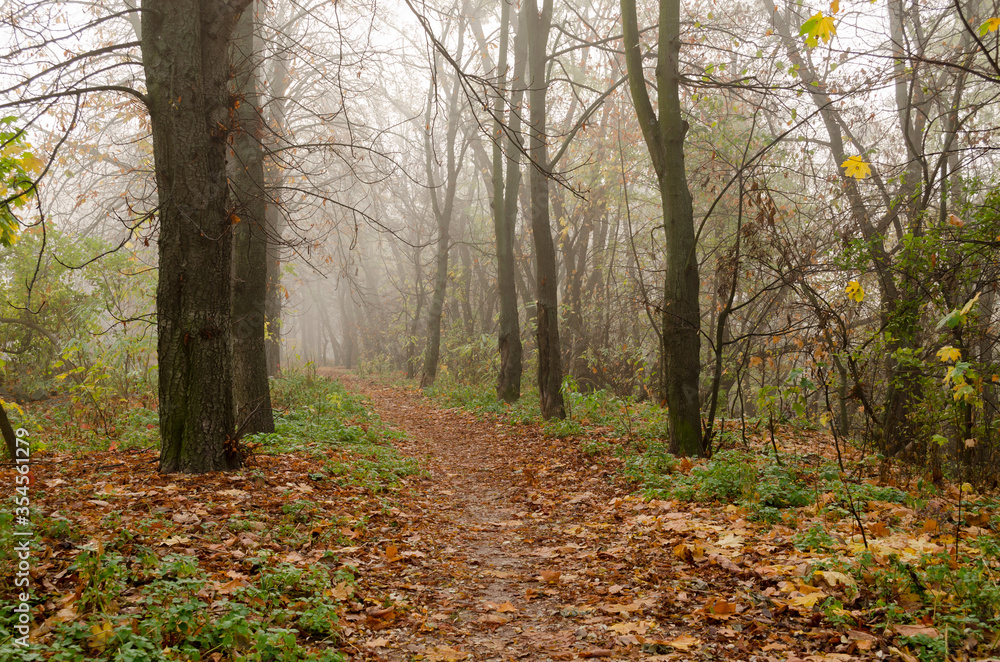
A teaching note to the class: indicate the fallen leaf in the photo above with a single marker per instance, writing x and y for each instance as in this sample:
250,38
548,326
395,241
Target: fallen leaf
916,630
684,642
807,601
834,579
99,635
175,540
549,576
445,654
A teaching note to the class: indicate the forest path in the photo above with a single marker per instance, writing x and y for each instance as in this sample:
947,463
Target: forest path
484,542
516,546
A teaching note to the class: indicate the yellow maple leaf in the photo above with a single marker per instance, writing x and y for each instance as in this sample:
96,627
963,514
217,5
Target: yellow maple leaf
949,354
989,25
856,167
818,27
855,291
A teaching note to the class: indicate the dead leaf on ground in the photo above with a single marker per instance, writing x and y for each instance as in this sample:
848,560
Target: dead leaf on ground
445,654
684,642
379,642
916,630
549,576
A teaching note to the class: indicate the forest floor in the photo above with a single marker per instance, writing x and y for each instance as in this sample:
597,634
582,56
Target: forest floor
473,539
517,546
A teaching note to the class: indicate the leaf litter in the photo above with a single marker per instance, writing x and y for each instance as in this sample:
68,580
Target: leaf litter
512,546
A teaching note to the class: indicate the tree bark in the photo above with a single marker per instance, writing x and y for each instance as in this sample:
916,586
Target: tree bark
184,49
8,434
664,136
442,212
274,181
505,210
251,389
547,333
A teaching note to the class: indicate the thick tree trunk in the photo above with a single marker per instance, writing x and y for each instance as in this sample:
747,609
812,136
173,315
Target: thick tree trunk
184,46
664,136
251,389
547,334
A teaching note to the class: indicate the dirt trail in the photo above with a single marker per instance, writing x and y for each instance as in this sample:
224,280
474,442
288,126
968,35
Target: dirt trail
484,537
519,547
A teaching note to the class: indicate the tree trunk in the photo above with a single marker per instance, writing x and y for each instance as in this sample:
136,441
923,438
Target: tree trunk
442,213
547,334
184,46
274,181
664,136
251,390
505,210
8,434
272,302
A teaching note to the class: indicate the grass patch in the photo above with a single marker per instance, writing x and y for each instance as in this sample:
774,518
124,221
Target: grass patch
215,567
910,573
316,416
135,606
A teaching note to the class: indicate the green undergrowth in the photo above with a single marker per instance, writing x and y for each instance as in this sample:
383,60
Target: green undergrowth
132,605
769,489
129,599
315,415
591,416
910,573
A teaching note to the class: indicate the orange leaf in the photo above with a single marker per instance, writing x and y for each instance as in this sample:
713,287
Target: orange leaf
549,576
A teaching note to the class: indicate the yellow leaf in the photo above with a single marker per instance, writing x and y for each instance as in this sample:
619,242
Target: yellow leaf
32,164
856,167
808,601
818,27
855,291
835,6
949,354
968,305
684,642
13,405
99,635
989,25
